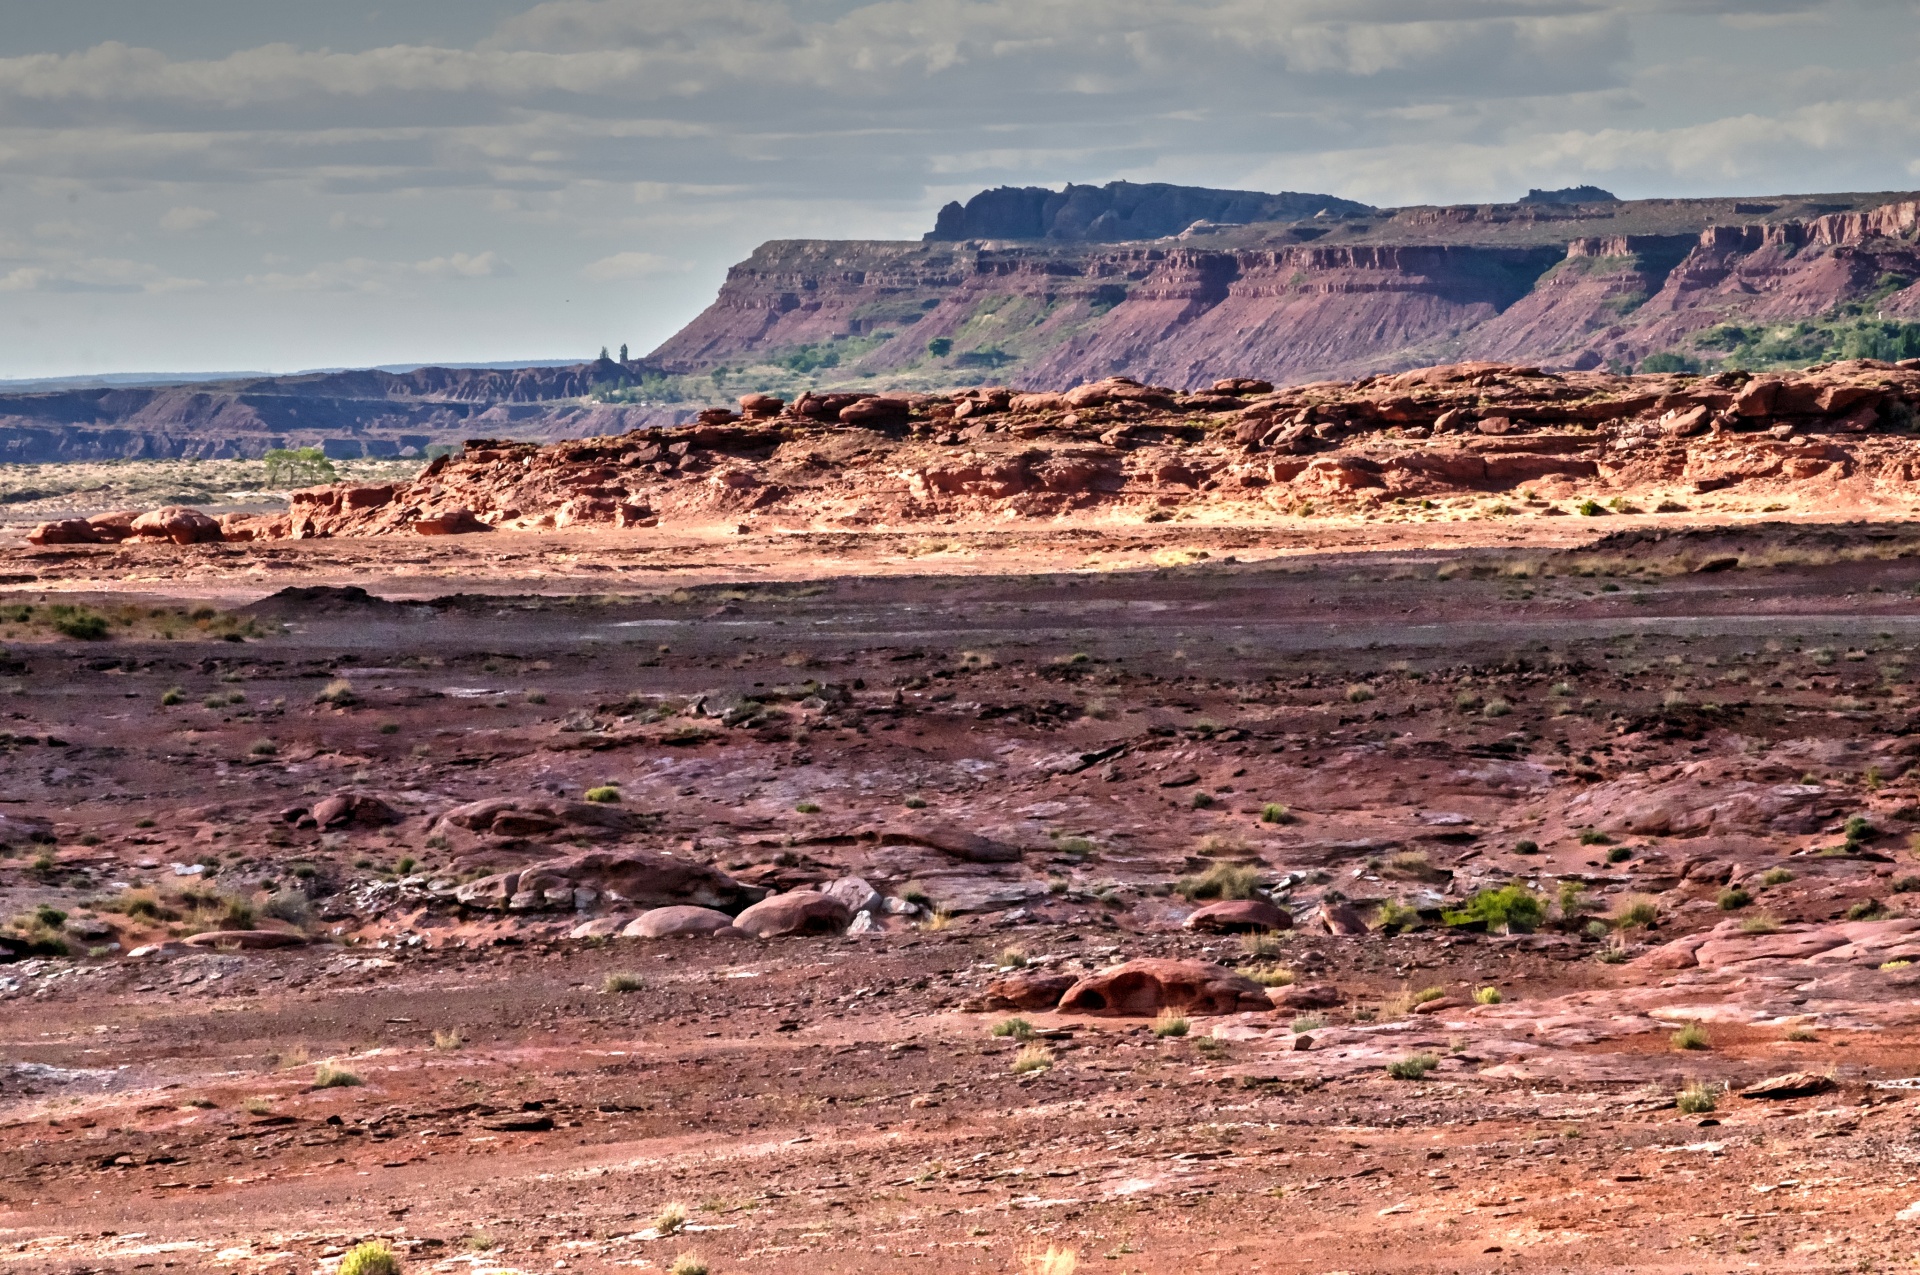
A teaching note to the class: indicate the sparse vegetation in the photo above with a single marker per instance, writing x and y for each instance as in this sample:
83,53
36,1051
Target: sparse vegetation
1220,881
1412,1067
1270,975
1011,958
370,1258
687,1264
621,984
670,1220
604,794
328,1075
1510,909
1017,1028
1274,812
1487,996
1691,1036
1171,1022
1695,1100
1032,1058
1733,898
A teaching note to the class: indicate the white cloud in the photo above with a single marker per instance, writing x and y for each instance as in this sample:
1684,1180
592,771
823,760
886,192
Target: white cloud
185,219
356,221
461,265
632,265
66,272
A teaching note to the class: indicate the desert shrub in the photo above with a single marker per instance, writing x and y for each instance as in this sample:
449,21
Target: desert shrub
1017,1028
1487,996
1261,944
1512,908
1801,1035
1865,910
1359,693
1011,958
328,1076
263,748
77,622
1426,994
339,693
670,1220
1526,847
1412,1067
1220,881
808,808
1906,885
621,984
1574,901
937,920
389,728
449,1040
1891,966
1496,708
1201,800
1733,898
687,1264
1393,917
1032,1058
1171,1022
171,696
1780,876
915,803
1619,854
1594,837
1270,975
1274,812
291,906
1638,910
371,1258
1759,923
1696,1099
1691,1036
605,794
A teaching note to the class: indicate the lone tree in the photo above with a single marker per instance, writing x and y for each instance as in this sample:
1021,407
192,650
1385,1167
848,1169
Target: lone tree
298,467
623,351
603,354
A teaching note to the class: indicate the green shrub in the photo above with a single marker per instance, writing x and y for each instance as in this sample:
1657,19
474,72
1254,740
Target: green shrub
1496,708
1526,847
171,696
328,1076
808,808
1393,917
1695,1100
604,793
1733,898
1359,693
78,622
1487,996
1511,908
1638,910
1865,910
1780,876
1594,837
1202,800
621,984
915,803
1412,1067
1270,975
371,1258
1619,854
1274,812
1691,1036
1171,1022
687,1264
1017,1028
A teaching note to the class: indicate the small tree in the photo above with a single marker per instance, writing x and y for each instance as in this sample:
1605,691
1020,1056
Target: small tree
298,467
940,347
603,354
623,351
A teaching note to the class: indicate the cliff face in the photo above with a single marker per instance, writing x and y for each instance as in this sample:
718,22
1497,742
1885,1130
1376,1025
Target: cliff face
1575,286
1121,211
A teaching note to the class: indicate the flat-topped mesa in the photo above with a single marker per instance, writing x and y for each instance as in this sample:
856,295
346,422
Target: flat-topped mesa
1240,449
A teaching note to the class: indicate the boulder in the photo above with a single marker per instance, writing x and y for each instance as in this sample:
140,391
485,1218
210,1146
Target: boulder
177,523
798,912
957,843
855,893
759,405
1032,404
20,830
875,411
344,808
679,921
246,940
457,521
599,927
537,816
1142,988
1302,996
64,531
1242,385
1794,1084
1696,805
644,877
1342,918
1026,989
1239,916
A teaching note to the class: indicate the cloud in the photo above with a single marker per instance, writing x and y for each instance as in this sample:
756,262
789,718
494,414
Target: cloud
356,221
631,265
185,219
464,266
61,272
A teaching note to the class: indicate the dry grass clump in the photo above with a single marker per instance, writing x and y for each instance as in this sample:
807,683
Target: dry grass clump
670,1220
1412,1067
1011,958
687,1264
1220,881
1017,1028
1171,1022
1487,996
1696,1099
1055,1261
1031,1059
449,1040
1270,975
621,984
327,1075
1691,1036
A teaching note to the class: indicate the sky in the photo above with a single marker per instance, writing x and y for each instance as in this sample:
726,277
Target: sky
210,185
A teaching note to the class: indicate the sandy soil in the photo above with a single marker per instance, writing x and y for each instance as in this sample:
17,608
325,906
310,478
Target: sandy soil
1130,708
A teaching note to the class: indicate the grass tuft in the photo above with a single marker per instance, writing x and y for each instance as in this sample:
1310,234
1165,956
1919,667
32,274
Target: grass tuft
1171,1022
605,794
1017,1028
1487,996
327,1076
670,1220
1691,1036
371,1258
1696,1099
1032,1058
621,984
1412,1067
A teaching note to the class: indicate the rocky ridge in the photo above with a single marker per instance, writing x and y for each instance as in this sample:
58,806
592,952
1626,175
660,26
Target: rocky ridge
1120,448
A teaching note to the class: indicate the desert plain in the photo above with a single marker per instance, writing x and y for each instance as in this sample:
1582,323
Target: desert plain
1284,843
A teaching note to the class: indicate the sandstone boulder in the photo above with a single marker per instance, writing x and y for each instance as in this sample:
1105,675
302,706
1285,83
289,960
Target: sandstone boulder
855,893
1794,1084
957,843
1239,916
64,531
798,912
1242,385
761,405
599,927
1026,989
1697,805
681,921
1142,988
344,808
246,940
539,816
456,521
1342,918
875,411
1306,996
644,877
177,523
